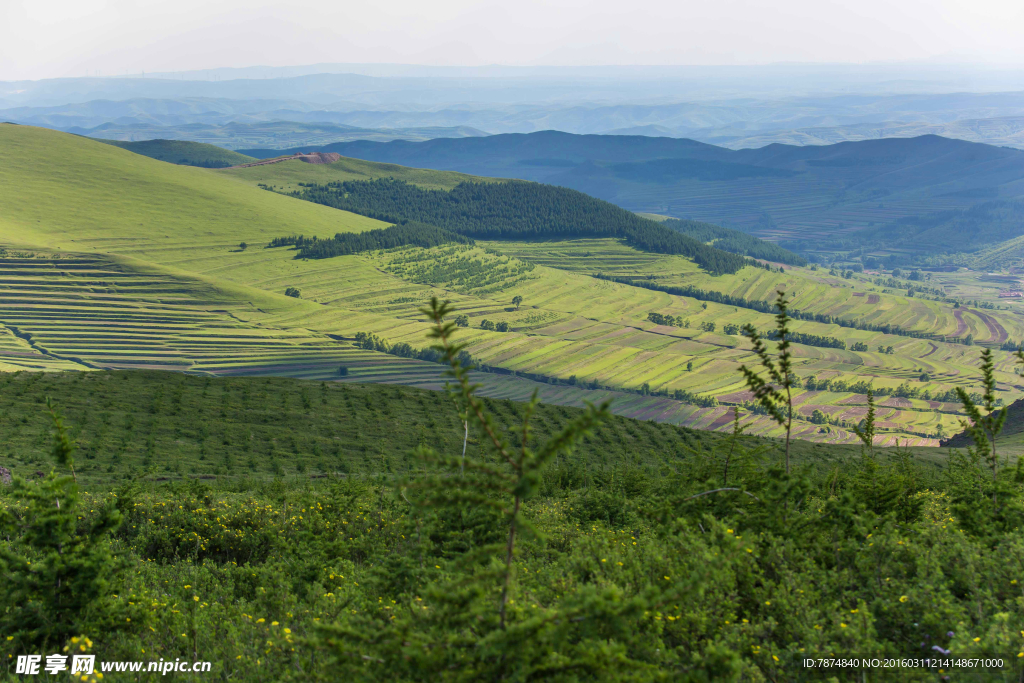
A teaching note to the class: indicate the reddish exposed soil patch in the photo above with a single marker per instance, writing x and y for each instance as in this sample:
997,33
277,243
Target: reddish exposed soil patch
944,407
738,397
934,349
874,298
961,326
808,396
808,410
858,293
309,158
896,402
722,421
996,330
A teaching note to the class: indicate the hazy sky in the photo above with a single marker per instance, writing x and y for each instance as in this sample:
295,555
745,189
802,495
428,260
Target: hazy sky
49,38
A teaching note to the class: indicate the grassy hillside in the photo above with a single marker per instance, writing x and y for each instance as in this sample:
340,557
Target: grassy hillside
286,175
125,202
1011,438
88,312
515,210
184,152
817,291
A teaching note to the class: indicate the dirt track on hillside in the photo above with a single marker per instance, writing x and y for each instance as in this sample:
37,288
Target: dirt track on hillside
310,158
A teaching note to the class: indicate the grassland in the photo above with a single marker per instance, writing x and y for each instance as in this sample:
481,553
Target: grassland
74,194
147,272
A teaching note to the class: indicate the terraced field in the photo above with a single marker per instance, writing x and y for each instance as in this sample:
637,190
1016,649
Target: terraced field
571,324
93,312
17,354
813,291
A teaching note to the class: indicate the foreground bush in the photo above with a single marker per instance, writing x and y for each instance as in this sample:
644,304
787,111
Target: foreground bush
521,563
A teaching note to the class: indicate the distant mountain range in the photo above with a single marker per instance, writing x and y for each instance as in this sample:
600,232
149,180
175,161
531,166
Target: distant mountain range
589,105
236,135
805,197
1006,131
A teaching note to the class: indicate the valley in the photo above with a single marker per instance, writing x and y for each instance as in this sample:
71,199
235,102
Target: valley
190,299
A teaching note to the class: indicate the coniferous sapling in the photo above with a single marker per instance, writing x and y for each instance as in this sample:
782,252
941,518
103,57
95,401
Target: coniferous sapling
522,466
57,578
866,430
774,395
984,428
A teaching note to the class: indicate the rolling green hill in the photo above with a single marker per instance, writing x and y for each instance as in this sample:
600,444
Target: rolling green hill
184,152
293,176
286,175
125,202
516,210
